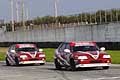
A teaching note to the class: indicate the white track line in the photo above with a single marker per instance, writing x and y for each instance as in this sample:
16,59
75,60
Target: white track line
103,78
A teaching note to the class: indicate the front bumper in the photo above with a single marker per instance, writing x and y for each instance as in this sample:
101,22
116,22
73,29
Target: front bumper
93,65
32,62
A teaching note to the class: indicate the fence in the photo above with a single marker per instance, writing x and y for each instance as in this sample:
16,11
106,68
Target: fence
99,33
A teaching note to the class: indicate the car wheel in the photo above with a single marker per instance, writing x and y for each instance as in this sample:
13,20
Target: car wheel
106,67
57,64
7,62
16,61
72,65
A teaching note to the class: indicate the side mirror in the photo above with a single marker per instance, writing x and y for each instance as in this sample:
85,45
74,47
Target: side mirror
67,50
13,51
40,50
102,48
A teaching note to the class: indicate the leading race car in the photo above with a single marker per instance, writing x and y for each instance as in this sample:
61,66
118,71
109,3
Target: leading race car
81,55
24,54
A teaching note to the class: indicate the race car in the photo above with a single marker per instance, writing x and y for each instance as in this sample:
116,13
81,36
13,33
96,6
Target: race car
81,55
24,54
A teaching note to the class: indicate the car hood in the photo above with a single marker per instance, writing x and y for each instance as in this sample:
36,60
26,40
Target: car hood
93,54
87,52
30,54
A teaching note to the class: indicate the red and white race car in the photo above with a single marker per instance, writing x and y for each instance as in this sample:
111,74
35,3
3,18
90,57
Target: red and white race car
81,54
24,54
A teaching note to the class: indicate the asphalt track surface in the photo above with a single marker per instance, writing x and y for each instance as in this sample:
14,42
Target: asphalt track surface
48,72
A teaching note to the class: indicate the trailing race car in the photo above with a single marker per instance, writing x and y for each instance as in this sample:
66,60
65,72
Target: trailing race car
81,55
24,54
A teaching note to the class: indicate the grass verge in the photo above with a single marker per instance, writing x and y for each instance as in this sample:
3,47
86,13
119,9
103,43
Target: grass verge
2,53
115,56
2,56
49,52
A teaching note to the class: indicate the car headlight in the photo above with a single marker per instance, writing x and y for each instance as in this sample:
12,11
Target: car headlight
82,57
106,56
41,55
23,56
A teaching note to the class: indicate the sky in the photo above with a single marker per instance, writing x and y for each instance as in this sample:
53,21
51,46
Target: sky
65,7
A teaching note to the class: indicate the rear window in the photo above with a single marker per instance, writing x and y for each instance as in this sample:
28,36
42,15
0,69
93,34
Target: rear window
85,48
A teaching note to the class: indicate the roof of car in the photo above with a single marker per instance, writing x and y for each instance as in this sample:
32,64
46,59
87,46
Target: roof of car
82,43
24,45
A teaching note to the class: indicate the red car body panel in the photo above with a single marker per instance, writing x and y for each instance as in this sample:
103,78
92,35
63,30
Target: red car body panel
94,57
26,57
88,58
31,58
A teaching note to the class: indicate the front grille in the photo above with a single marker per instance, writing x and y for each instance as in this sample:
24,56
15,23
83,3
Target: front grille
95,61
33,59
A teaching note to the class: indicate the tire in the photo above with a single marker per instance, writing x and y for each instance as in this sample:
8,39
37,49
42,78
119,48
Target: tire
106,67
57,64
16,61
72,65
7,62
42,63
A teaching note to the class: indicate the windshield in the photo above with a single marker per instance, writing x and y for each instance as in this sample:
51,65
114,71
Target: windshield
85,48
27,49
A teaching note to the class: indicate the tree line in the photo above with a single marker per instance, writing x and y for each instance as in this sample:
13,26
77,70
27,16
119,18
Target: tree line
98,17
101,16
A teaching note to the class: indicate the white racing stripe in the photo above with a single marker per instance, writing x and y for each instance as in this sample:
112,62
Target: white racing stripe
108,78
11,60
